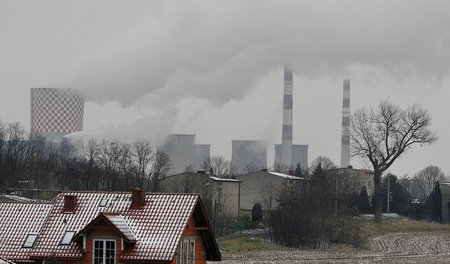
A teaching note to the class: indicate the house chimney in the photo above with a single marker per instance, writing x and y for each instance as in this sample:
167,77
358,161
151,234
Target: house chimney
291,172
137,198
70,202
264,170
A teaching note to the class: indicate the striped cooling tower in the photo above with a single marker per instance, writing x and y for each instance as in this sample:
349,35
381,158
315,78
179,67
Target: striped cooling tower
345,140
56,112
286,140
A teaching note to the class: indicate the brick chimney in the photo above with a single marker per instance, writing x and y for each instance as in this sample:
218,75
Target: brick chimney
137,198
70,202
291,172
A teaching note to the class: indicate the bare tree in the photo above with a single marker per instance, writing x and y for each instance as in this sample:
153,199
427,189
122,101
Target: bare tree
268,195
325,163
126,166
161,167
425,180
383,134
219,166
143,157
281,167
92,156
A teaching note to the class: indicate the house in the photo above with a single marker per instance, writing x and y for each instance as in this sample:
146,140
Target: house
223,192
263,187
118,227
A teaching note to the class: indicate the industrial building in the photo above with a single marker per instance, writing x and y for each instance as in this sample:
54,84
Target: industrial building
287,154
263,187
248,156
216,193
184,154
56,112
345,139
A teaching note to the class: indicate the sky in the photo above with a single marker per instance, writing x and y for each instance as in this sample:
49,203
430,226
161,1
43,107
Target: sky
215,68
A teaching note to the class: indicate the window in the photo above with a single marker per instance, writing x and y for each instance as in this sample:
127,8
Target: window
30,240
103,203
67,238
186,252
104,251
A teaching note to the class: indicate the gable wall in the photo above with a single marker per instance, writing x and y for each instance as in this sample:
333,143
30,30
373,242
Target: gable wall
99,231
200,251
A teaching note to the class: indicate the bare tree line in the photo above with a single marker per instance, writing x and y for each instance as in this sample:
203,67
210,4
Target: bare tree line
28,161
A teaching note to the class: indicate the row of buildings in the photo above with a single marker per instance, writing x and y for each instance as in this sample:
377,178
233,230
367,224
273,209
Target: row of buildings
107,228
242,192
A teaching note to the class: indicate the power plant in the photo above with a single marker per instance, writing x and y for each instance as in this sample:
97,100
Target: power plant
184,154
287,154
345,139
56,112
248,155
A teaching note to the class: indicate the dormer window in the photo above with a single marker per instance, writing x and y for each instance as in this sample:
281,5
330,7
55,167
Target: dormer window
67,238
29,242
103,203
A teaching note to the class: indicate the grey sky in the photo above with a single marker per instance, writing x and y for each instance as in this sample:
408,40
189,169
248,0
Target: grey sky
214,68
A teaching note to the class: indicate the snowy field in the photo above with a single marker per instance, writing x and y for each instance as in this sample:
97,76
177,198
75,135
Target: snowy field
403,247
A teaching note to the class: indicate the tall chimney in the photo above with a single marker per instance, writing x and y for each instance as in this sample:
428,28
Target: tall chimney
137,198
345,139
286,140
70,202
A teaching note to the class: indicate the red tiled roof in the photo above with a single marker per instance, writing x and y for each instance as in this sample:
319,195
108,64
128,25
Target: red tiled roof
17,220
157,226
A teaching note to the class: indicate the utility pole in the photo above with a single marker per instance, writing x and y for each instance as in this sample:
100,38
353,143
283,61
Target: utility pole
388,193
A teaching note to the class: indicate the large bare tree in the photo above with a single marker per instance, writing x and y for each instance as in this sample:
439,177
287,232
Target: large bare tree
383,134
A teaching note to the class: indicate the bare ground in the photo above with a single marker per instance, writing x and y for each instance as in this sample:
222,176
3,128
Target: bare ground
399,242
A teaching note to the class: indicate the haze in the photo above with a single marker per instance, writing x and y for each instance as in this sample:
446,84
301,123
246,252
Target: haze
215,68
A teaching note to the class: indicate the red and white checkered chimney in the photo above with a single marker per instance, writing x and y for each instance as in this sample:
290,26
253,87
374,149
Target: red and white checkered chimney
286,140
56,112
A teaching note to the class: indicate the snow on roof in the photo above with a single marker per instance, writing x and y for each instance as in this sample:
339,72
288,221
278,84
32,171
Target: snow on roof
211,177
117,221
286,176
17,221
16,198
5,261
214,178
159,225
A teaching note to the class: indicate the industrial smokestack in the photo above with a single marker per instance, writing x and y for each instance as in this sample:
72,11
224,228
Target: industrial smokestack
286,140
345,140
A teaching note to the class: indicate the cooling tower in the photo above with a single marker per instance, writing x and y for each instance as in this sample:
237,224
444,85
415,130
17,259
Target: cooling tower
56,112
202,154
286,140
299,156
184,154
345,140
248,155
